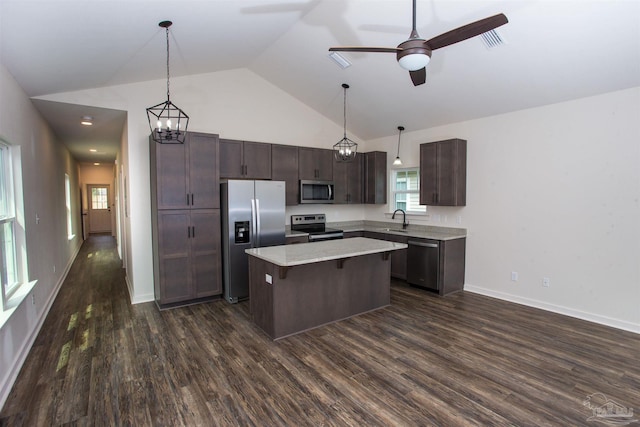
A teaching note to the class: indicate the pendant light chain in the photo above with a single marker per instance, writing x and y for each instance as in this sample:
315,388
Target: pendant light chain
167,31
344,109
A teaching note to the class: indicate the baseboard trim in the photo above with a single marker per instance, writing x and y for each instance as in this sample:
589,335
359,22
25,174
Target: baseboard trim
590,317
14,370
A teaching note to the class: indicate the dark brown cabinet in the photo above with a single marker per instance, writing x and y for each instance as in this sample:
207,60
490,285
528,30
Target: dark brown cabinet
347,180
284,167
315,164
443,173
188,255
245,159
185,219
185,176
375,177
292,240
398,257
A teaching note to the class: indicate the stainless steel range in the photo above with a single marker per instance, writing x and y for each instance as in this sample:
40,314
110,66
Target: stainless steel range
314,224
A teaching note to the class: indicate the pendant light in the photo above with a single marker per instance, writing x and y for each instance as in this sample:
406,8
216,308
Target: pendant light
168,123
397,161
345,149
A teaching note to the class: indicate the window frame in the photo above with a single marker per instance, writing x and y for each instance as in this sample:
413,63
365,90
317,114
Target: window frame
395,191
8,218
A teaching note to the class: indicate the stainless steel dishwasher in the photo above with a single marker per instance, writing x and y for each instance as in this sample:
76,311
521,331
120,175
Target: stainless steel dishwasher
422,263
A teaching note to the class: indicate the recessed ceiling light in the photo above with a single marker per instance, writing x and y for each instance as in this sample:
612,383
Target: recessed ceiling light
87,121
96,164
93,150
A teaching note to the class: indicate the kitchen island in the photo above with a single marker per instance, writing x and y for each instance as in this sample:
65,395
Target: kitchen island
294,288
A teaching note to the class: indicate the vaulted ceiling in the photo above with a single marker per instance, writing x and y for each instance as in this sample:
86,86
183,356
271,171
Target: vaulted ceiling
554,51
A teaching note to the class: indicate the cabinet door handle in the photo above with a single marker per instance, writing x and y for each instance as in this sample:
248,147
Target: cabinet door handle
191,199
193,231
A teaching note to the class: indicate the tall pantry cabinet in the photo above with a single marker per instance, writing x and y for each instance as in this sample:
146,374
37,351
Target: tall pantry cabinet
185,215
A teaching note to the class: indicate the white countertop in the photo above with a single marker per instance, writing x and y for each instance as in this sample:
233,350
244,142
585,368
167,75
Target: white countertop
307,253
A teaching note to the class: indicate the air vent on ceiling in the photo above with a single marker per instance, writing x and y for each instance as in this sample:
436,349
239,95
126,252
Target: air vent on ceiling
492,39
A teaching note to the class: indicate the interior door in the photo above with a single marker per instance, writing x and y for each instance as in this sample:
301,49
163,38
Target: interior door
99,208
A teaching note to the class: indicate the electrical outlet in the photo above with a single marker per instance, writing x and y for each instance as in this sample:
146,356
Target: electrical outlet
514,276
545,282
33,299
268,278
459,219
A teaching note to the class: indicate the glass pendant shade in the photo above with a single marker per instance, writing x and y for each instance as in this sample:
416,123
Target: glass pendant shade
167,122
414,62
345,149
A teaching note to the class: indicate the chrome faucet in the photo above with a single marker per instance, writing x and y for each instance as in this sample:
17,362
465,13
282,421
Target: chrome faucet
404,218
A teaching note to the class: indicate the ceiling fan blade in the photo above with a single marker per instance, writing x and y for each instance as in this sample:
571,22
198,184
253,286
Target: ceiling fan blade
364,49
467,31
418,77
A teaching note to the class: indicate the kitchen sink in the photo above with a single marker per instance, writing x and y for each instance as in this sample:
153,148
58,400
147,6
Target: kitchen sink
394,230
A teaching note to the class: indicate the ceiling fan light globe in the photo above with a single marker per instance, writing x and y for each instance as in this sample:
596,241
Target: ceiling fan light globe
414,61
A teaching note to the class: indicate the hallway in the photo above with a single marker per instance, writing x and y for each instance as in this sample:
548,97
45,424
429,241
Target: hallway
425,360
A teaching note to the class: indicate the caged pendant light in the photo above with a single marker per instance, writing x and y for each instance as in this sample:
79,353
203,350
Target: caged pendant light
345,149
397,161
168,123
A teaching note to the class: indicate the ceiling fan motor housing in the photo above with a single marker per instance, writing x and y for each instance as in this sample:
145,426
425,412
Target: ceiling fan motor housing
413,47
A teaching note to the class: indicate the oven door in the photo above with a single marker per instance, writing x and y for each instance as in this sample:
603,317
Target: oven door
316,192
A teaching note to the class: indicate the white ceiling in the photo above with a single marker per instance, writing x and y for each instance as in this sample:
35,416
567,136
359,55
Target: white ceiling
555,51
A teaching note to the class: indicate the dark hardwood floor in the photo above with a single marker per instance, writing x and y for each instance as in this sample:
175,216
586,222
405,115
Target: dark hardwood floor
425,360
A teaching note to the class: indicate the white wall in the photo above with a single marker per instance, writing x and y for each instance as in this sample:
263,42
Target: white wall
234,104
44,164
551,192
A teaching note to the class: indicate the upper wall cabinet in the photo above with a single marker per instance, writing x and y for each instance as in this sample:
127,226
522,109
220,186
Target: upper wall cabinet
284,167
244,159
186,175
347,177
443,173
375,177
315,164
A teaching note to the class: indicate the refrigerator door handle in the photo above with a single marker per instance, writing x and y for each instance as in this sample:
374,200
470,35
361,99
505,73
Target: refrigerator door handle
258,231
254,226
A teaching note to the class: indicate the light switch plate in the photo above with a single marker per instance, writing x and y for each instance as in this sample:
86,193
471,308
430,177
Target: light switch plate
268,279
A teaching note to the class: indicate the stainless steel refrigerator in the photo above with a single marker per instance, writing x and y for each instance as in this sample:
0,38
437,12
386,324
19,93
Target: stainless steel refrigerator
253,215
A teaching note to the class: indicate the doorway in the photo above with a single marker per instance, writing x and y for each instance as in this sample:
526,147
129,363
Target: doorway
99,208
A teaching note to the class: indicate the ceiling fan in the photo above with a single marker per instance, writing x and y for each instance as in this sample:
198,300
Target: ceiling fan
414,54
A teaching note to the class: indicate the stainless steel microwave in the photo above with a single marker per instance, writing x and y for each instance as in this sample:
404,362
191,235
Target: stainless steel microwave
316,192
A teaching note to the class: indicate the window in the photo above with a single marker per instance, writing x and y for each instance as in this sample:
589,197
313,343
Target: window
67,199
406,190
8,265
99,198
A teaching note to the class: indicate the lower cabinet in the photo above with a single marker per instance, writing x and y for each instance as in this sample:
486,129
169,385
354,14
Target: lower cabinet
398,258
296,239
187,247
437,265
